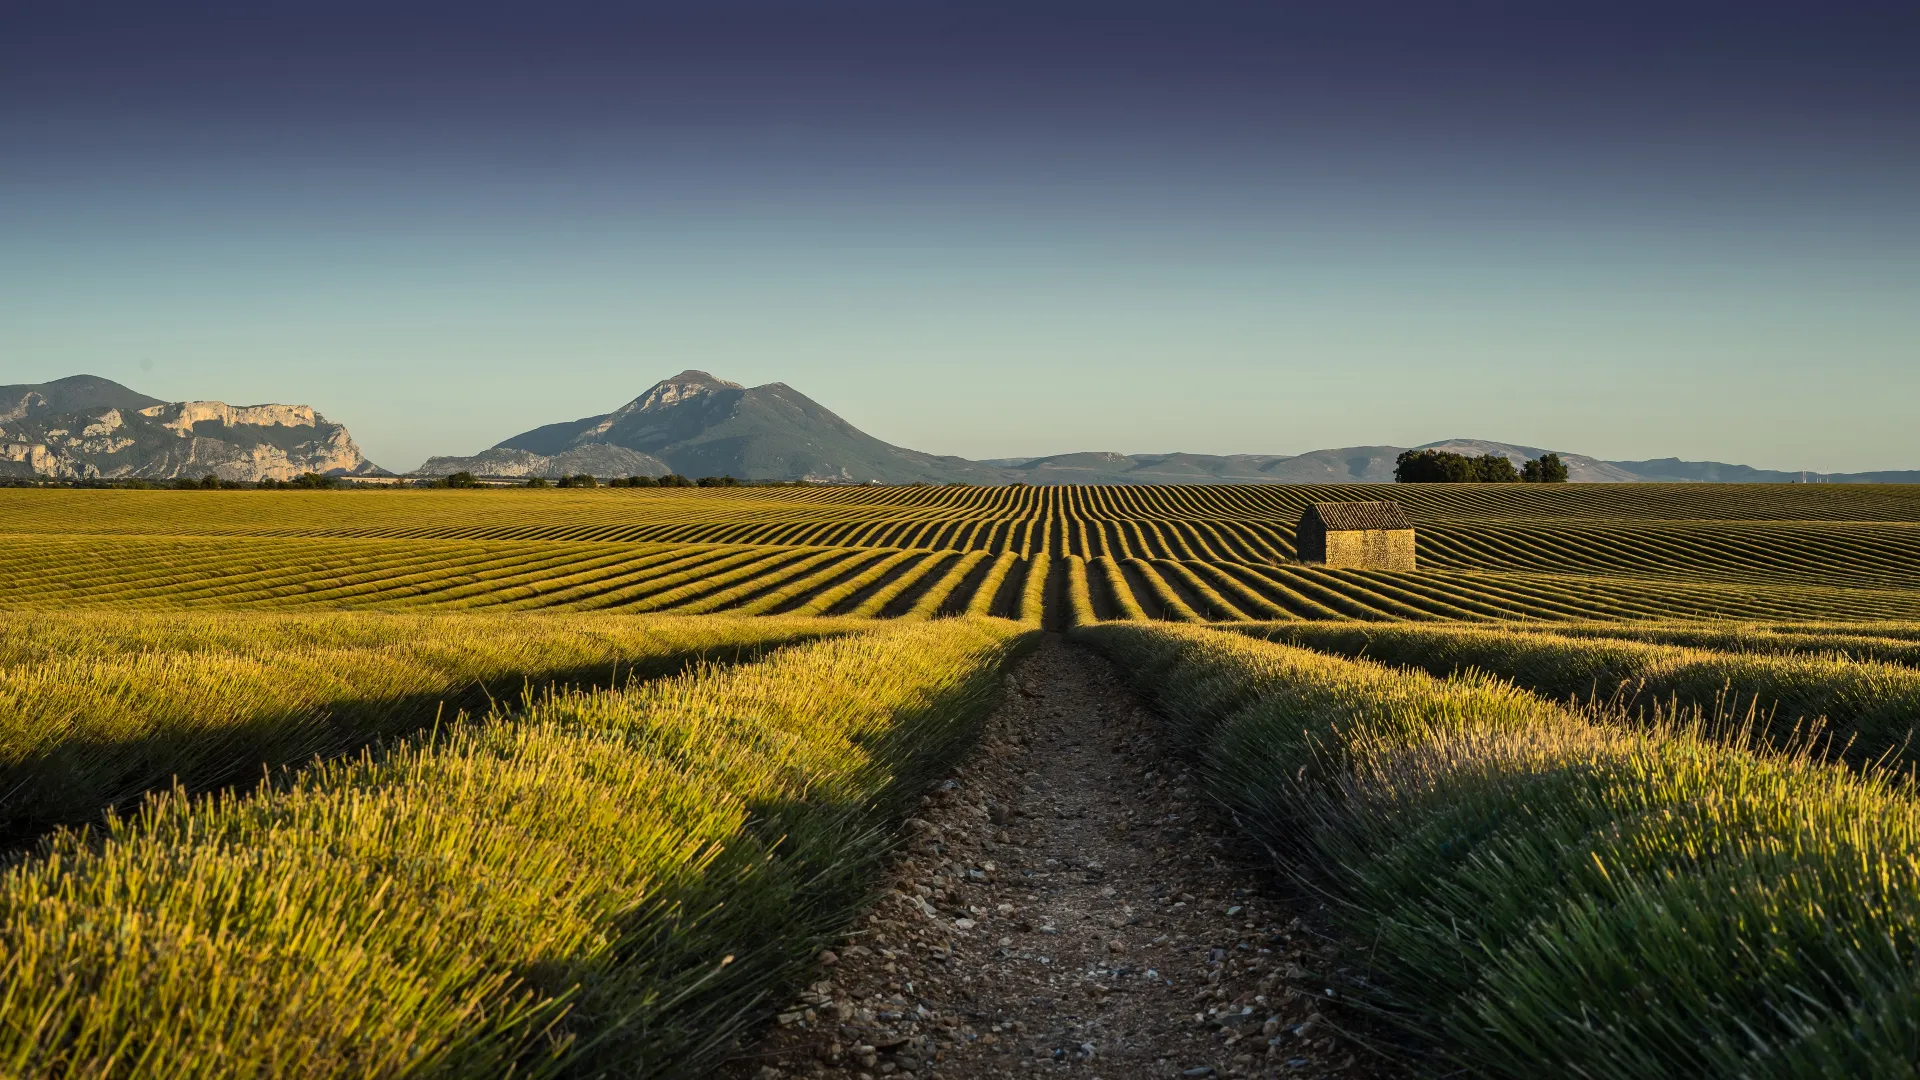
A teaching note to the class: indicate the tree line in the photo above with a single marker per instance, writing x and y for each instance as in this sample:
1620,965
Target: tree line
1444,467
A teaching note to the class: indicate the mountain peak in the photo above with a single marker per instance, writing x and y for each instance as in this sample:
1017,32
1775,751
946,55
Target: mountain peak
696,376
84,426
75,393
688,384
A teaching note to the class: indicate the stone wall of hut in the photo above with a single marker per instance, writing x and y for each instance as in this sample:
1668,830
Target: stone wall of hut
1371,549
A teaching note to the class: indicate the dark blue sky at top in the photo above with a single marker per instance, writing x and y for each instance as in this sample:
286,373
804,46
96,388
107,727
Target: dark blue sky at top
1761,138
1791,91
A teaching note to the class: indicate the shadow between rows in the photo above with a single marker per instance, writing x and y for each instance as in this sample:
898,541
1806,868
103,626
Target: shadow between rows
702,962
80,782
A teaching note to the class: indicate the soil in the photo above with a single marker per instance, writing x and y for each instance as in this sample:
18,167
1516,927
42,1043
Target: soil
1068,904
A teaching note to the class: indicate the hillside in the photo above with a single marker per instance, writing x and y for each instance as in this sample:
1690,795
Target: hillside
696,425
1374,465
86,427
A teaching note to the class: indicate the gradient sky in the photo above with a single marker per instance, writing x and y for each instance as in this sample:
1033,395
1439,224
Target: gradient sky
1624,229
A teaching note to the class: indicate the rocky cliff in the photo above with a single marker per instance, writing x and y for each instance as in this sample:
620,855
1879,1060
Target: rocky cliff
85,427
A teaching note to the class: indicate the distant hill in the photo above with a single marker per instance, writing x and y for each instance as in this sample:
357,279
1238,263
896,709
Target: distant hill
697,425
85,427
1374,465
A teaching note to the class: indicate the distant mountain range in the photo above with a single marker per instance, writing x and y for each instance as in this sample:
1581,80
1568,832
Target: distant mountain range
1374,464
86,427
692,424
697,425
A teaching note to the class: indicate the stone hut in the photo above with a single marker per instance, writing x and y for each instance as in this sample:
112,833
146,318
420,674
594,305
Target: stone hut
1365,535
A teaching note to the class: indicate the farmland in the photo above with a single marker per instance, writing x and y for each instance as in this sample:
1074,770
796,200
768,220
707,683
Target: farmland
581,782
1806,552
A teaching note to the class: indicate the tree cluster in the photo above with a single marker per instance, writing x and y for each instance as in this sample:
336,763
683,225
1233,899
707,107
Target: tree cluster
669,480
303,482
1444,467
208,482
1545,469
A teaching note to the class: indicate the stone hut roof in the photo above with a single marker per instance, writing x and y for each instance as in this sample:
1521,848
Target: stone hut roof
1357,516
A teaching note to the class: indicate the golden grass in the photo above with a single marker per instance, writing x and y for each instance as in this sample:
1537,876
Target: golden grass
607,880
1545,893
98,707
1864,709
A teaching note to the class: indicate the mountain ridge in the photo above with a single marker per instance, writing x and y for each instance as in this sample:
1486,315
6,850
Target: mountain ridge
696,424
87,427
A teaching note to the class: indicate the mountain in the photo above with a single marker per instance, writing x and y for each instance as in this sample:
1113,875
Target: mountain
1374,465
696,425
1344,465
88,427
1718,472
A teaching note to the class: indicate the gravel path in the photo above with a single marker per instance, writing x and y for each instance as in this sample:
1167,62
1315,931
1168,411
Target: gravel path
1067,906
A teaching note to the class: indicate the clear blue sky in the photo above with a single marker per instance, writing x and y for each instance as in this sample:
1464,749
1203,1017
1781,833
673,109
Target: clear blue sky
1622,230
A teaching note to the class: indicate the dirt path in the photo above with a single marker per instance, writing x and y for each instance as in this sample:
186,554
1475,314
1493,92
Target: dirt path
1067,906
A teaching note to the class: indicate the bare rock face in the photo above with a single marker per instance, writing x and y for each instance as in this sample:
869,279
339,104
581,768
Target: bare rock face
592,460
89,428
180,417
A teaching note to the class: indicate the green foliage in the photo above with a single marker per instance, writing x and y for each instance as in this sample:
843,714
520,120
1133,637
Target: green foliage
600,883
1551,894
717,481
1545,469
1887,643
675,480
1868,710
641,482
536,482
462,479
1443,467
578,480
96,709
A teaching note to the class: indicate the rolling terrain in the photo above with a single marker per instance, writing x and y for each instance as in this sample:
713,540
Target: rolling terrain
1807,552
466,782
693,424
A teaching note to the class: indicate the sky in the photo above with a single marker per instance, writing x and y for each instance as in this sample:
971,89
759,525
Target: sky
1627,229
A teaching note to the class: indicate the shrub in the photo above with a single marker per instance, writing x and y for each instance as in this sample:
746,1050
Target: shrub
1545,469
1444,467
536,482
462,479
